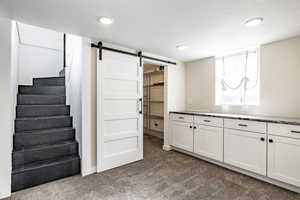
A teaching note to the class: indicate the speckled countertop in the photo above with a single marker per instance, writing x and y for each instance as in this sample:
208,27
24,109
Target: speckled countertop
278,120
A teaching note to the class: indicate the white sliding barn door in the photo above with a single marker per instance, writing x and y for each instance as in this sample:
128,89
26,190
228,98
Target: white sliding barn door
119,106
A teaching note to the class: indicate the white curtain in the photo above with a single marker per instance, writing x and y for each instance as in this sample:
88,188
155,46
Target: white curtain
237,79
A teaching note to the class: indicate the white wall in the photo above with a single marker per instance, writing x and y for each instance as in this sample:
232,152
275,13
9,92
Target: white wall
175,89
5,107
40,53
79,97
88,141
14,69
279,92
73,80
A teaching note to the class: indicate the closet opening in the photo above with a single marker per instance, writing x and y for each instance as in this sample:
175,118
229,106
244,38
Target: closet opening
154,86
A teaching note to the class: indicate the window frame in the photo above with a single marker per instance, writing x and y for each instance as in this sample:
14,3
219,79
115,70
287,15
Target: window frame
258,50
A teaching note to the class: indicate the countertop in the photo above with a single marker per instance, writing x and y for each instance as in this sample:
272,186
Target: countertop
278,120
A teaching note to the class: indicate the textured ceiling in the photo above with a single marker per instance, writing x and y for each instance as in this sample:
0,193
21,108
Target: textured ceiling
157,26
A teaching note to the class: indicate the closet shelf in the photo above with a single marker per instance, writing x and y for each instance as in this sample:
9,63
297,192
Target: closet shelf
155,84
153,72
156,101
156,117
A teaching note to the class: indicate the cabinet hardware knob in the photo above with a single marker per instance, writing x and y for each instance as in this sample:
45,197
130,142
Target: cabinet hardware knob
243,125
155,124
191,126
262,139
271,140
195,127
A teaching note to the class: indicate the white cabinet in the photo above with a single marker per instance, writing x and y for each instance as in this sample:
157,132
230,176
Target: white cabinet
208,141
268,149
246,150
182,135
284,159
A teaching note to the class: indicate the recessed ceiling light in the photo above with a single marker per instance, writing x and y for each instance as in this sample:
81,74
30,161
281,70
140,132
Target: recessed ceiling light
181,47
254,21
105,20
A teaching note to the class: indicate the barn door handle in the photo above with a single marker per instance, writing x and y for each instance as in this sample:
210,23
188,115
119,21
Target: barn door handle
141,106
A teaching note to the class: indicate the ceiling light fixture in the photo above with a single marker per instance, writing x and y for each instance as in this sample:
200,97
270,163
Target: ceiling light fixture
181,47
254,21
105,20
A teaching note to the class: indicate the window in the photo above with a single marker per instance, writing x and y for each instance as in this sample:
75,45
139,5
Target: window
237,79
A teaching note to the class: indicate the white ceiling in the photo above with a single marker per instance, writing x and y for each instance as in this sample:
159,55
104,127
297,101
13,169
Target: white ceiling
207,27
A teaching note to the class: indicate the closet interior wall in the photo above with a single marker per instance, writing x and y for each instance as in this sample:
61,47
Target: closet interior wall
154,100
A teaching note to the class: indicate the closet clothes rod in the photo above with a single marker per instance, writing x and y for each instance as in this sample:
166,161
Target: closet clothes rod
139,54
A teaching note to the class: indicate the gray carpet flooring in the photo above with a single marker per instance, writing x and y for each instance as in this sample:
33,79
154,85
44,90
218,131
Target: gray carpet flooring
160,176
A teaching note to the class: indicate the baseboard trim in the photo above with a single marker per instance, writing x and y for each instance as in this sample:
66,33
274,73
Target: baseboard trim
5,196
90,171
242,171
167,147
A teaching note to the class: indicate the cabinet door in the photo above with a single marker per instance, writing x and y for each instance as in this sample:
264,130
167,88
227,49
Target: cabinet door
208,141
284,159
246,150
182,135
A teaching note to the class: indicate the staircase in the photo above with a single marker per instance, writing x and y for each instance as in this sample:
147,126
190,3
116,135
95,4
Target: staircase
45,148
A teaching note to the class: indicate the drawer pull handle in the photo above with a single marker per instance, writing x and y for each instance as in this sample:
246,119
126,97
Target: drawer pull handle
243,125
206,120
262,139
180,117
271,141
295,131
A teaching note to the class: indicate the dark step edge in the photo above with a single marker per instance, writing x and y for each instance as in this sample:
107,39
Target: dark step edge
46,146
47,99
50,77
45,163
43,105
42,95
42,86
43,117
44,131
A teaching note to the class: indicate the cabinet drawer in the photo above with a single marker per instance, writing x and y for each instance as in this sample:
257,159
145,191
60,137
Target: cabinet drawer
284,130
246,125
157,125
182,118
210,121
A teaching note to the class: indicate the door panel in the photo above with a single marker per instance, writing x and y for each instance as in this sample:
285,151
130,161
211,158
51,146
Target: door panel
117,106
208,141
284,159
182,135
245,150
120,88
119,121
